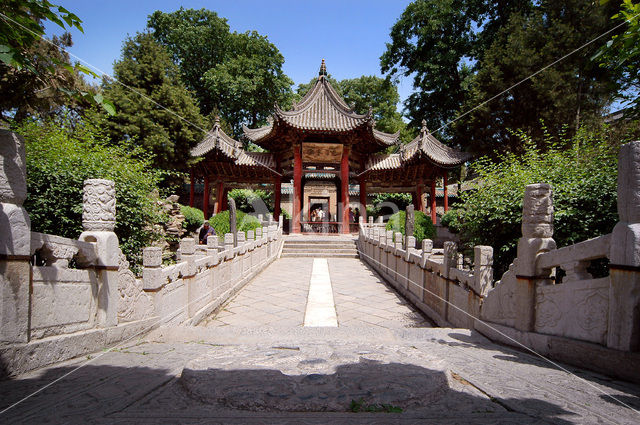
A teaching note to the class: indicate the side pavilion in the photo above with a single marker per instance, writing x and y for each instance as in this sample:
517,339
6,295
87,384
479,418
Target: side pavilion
322,139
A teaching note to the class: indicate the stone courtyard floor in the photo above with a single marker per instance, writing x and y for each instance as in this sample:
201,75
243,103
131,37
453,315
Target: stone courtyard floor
256,362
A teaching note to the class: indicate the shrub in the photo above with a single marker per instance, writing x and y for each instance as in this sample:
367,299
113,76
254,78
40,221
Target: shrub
61,154
583,178
244,222
249,201
193,218
386,203
423,228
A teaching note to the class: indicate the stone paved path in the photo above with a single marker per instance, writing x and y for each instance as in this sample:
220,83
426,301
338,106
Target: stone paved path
278,297
270,369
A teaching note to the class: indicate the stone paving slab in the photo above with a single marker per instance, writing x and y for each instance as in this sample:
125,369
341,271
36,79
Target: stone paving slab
164,379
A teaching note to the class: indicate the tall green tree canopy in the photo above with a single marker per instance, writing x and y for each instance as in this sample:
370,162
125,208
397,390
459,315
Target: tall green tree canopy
147,68
238,74
622,53
463,52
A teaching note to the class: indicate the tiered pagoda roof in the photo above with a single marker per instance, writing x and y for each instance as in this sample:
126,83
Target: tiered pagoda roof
322,111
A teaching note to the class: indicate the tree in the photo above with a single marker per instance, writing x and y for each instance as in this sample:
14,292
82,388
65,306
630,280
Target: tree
36,76
60,156
247,84
583,179
562,96
463,52
239,74
621,54
146,113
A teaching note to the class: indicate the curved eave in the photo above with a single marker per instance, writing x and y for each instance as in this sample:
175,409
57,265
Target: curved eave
386,138
216,139
257,134
426,145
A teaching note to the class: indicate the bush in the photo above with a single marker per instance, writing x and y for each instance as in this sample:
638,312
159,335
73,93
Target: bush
423,228
61,154
249,201
583,178
386,203
244,222
193,218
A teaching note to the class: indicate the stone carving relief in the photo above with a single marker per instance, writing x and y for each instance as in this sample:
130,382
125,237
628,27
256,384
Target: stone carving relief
322,152
134,303
99,205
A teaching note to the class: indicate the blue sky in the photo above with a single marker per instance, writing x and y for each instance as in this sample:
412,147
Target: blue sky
349,34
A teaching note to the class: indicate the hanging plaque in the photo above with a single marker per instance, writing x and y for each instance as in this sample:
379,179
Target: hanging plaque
324,153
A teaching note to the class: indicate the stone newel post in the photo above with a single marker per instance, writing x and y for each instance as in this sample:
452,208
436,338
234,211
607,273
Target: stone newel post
15,240
624,294
537,238
98,222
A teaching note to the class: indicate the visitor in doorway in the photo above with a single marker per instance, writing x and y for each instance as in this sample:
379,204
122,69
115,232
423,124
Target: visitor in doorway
320,214
350,215
356,216
205,232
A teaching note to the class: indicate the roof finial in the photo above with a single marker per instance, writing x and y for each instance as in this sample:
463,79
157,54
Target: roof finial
424,129
217,121
323,69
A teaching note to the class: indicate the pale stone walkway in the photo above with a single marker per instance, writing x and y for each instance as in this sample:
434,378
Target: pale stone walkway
278,298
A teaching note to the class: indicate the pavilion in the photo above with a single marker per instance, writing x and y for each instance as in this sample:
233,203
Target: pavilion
322,139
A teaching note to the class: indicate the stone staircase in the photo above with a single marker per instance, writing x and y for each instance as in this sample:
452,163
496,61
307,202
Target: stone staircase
315,246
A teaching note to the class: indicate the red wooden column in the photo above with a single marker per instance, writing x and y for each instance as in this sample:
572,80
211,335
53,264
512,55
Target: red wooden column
277,197
344,176
192,190
225,199
433,200
446,193
219,195
363,199
205,198
419,201
297,189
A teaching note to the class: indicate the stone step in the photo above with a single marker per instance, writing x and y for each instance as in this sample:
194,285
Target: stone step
315,249
321,254
322,244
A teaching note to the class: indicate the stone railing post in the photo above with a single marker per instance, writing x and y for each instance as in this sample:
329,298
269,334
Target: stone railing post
152,268
537,238
98,222
449,261
409,225
228,241
483,268
427,248
15,240
188,254
624,294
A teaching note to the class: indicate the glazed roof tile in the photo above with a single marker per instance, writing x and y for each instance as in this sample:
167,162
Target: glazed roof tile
426,144
232,149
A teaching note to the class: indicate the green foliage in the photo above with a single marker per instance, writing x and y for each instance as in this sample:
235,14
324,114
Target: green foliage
389,203
423,228
358,406
583,178
244,222
36,75
252,201
193,217
622,53
60,157
238,74
146,67
461,53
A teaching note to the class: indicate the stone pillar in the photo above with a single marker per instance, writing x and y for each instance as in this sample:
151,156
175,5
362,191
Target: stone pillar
344,181
624,293
15,240
450,260
98,222
409,222
297,189
277,186
483,268
537,238
363,198
192,189
205,198
232,221
152,268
